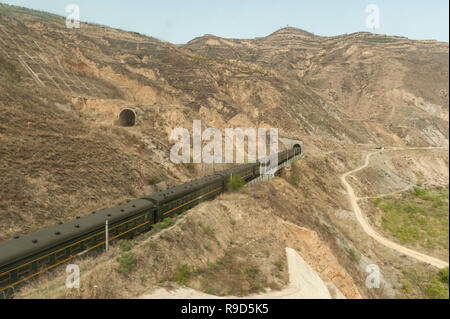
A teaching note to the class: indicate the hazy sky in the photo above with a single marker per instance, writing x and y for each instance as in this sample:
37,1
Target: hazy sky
182,20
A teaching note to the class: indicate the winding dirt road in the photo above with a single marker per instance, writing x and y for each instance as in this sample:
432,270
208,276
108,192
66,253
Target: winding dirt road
371,232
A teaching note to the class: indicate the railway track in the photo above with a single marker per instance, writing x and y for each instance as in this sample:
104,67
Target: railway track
28,256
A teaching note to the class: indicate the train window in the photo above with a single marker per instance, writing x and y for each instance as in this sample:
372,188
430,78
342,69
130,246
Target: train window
60,254
75,249
23,271
41,263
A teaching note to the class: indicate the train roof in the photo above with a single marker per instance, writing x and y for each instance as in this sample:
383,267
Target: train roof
237,169
22,246
183,189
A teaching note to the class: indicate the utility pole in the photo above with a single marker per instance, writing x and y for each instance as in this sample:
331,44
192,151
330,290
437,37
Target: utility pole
106,235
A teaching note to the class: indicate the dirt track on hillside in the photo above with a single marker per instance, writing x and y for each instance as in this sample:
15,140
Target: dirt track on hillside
371,232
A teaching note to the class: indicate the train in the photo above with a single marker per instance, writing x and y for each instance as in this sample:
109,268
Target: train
27,256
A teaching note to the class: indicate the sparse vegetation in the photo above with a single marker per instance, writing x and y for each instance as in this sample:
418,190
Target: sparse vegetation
443,275
421,218
377,201
165,223
152,245
251,271
210,231
183,274
354,255
380,40
125,245
38,15
127,262
153,180
439,287
425,285
211,266
236,183
279,264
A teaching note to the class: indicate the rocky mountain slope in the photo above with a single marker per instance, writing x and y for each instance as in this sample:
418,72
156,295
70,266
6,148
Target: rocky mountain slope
391,89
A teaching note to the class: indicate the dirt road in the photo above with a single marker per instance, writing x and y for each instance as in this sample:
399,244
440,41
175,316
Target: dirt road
371,232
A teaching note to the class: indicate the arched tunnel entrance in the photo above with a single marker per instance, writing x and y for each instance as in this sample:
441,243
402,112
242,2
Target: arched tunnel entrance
298,146
127,117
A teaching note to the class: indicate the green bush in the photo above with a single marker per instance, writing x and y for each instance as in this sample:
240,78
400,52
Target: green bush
211,266
153,180
251,271
236,183
127,262
183,274
125,245
377,202
210,231
166,223
437,290
279,264
225,260
354,255
443,275
152,245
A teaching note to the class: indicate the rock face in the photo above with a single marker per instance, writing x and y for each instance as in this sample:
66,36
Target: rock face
302,276
317,254
389,88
